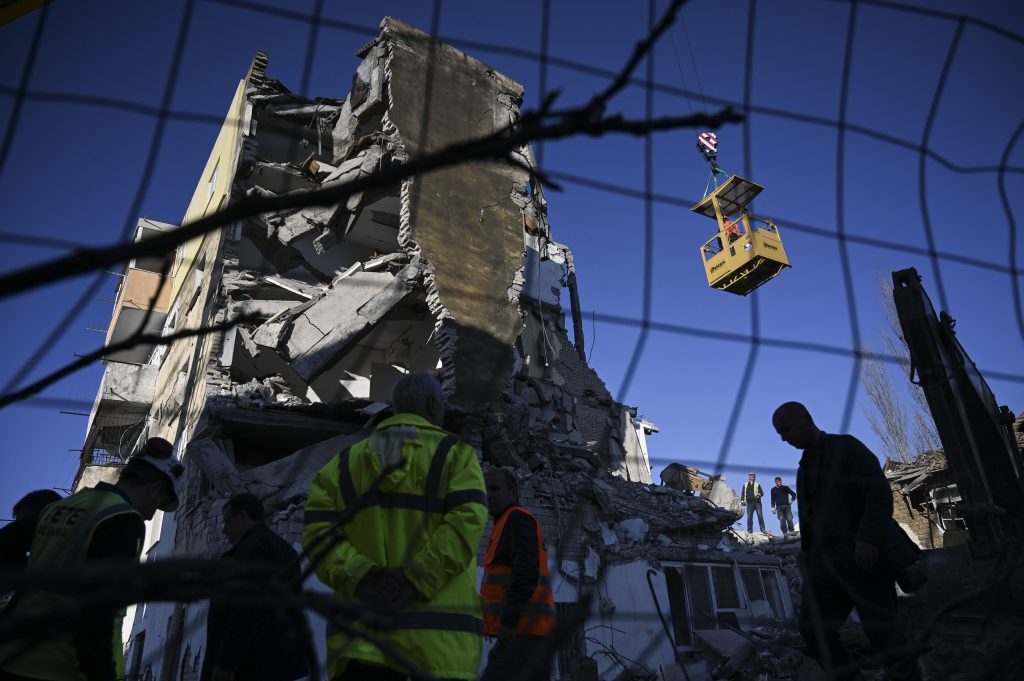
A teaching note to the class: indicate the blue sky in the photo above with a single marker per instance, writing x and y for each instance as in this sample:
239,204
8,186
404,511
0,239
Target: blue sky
74,170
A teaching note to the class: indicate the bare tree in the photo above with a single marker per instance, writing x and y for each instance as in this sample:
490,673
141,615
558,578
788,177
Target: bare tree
905,430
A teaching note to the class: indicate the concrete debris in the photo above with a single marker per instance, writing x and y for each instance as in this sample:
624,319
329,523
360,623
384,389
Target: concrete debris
635,530
728,644
723,496
253,392
213,459
455,272
768,650
284,481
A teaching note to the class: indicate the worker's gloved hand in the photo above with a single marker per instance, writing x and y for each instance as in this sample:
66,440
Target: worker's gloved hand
773,510
505,634
372,586
399,591
865,555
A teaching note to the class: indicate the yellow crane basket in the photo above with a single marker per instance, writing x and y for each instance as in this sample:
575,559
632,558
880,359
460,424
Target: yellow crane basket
747,251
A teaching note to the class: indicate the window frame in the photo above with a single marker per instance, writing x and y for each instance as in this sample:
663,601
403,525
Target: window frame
740,586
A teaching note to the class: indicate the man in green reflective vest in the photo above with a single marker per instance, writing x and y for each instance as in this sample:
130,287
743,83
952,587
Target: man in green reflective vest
751,496
101,523
394,522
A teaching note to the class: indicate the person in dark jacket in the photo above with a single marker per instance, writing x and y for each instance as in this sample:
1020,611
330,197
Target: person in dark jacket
519,608
255,641
782,498
16,536
848,540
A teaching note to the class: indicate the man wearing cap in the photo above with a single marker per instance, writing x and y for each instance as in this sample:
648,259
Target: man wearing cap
101,523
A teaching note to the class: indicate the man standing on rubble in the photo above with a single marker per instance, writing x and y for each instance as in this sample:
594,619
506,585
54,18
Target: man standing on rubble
252,641
104,524
393,522
782,498
519,609
751,495
846,514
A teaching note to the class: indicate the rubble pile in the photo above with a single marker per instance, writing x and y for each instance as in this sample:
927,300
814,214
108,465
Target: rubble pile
768,651
457,272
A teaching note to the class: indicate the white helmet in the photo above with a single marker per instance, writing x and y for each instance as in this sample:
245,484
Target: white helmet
159,453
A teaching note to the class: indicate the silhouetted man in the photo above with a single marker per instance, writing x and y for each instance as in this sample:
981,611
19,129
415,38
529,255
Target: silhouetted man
253,641
846,520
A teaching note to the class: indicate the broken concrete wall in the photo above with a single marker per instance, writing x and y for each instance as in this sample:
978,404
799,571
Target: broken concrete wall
455,271
439,96
631,455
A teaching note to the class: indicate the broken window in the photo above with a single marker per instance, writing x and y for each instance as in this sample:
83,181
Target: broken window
135,665
708,596
214,177
762,584
572,652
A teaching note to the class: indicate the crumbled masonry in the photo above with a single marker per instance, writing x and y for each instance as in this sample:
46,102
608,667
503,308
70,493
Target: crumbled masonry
456,271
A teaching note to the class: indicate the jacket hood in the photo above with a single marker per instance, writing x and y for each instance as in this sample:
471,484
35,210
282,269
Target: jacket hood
394,442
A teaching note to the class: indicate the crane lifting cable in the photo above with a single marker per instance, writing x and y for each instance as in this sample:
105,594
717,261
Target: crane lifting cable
746,252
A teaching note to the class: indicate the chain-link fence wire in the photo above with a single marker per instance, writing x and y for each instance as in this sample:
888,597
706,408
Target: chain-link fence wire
22,94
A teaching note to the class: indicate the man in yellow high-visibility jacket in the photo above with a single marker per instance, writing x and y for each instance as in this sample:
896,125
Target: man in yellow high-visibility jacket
411,508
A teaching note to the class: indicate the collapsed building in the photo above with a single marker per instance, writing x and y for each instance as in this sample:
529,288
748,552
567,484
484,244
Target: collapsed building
455,271
925,500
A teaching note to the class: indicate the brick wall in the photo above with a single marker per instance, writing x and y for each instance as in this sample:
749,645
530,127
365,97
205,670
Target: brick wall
926,534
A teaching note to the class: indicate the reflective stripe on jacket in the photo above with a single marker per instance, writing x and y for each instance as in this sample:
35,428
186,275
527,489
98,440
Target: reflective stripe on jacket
426,517
64,532
758,492
538,613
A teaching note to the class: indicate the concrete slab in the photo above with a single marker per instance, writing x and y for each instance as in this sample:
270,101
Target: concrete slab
724,642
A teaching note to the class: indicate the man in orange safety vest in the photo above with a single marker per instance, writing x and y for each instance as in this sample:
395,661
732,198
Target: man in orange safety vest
519,609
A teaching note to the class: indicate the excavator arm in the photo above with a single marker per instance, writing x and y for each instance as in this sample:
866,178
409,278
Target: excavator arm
976,434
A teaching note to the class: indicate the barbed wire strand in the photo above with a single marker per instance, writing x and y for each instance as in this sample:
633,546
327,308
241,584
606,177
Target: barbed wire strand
1004,199
20,94
755,319
81,304
844,253
648,208
922,165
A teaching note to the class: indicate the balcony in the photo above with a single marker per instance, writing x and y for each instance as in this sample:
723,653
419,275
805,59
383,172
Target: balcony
137,290
141,288
119,419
